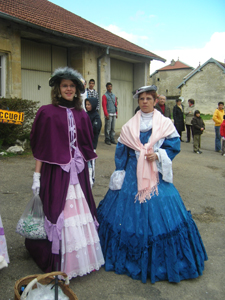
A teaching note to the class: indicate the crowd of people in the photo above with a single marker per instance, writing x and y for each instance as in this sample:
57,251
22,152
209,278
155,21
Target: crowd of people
141,228
190,117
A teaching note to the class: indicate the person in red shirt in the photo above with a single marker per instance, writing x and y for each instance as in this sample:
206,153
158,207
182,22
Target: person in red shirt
109,104
162,107
222,133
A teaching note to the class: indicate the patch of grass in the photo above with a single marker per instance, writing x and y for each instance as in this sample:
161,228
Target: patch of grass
206,117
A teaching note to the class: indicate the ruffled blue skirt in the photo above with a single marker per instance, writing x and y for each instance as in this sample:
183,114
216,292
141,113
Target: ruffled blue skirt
157,239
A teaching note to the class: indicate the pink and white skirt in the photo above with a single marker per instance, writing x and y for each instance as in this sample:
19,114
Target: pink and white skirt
80,245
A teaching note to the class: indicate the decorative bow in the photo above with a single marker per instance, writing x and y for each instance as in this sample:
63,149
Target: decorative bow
54,232
75,166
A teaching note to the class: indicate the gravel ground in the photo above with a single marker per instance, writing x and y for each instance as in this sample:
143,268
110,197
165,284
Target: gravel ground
198,178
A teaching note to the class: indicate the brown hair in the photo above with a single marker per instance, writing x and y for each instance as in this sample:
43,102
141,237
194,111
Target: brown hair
55,96
153,93
192,101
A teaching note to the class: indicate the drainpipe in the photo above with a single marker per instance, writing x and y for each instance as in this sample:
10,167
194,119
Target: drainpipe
99,75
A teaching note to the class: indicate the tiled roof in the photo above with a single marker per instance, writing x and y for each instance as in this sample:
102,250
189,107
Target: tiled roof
49,16
177,65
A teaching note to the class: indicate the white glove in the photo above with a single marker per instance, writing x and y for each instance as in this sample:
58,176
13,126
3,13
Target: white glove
36,183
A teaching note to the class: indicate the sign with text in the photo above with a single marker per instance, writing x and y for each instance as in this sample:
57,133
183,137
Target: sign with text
11,117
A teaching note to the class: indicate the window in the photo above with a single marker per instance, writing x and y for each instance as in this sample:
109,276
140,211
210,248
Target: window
2,75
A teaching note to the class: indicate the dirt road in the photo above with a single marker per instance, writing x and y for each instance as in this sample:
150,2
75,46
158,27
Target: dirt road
200,181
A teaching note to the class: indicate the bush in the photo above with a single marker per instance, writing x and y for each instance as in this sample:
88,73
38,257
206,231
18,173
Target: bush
9,133
206,117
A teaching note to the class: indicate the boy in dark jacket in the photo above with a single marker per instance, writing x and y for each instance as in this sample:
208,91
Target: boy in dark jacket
91,105
198,126
222,133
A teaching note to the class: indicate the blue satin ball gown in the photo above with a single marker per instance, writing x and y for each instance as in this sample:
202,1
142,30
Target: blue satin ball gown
157,239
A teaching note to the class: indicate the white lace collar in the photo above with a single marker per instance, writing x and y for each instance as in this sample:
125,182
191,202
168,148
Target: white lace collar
146,121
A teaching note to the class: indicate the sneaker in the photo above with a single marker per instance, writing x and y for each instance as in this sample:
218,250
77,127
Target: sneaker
224,154
200,152
107,142
197,152
187,141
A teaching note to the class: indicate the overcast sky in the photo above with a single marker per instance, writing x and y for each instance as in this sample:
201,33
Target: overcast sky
193,31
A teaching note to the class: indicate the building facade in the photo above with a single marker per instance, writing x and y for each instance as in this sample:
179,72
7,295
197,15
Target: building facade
206,85
36,37
167,78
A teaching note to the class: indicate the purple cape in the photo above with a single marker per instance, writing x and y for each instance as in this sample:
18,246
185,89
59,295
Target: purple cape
50,144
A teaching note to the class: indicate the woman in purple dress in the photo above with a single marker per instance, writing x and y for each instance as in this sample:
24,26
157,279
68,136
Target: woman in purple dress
61,142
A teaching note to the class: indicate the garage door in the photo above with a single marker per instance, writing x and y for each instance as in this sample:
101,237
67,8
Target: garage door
122,80
37,64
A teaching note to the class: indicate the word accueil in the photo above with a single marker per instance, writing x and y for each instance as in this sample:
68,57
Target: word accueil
11,117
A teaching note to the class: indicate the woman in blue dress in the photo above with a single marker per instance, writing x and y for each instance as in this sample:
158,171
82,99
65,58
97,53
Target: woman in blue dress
145,229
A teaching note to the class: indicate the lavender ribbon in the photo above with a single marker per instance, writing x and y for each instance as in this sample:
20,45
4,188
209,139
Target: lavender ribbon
54,232
75,166
2,231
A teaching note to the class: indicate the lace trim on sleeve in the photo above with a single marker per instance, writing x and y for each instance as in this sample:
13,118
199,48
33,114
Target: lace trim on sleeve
116,180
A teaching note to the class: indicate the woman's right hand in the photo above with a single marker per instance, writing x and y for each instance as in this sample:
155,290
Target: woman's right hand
36,183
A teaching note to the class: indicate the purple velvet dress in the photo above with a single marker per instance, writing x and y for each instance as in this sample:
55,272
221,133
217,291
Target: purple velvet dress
60,151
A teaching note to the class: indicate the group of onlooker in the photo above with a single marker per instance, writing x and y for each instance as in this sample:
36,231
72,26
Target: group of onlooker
218,118
194,123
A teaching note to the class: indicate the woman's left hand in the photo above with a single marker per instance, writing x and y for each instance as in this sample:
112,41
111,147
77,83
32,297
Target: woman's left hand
151,157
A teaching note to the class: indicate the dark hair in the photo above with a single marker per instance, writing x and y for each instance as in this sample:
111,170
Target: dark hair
108,83
224,117
153,93
196,112
220,103
192,101
177,100
55,96
92,80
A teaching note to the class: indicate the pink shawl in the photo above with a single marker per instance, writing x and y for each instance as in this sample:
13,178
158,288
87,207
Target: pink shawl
147,172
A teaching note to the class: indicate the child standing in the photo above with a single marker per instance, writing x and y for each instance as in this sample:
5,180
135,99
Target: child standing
222,133
91,105
198,127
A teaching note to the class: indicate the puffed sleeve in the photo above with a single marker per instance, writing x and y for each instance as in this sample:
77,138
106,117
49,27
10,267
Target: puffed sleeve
172,147
166,153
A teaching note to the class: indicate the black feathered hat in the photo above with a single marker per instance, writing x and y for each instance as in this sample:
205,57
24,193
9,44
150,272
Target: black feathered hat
67,73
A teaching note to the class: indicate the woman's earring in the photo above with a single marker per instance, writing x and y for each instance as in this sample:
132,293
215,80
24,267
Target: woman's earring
75,95
60,96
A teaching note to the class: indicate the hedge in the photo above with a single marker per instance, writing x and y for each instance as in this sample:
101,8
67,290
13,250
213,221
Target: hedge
9,133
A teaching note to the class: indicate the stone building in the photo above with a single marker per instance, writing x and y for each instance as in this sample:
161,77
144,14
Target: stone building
206,85
167,78
36,37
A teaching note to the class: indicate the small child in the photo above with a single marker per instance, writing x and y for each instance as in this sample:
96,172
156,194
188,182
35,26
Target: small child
91,105
222,133
198,126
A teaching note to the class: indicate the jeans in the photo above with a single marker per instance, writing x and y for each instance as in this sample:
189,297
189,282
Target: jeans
217,139
110,128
